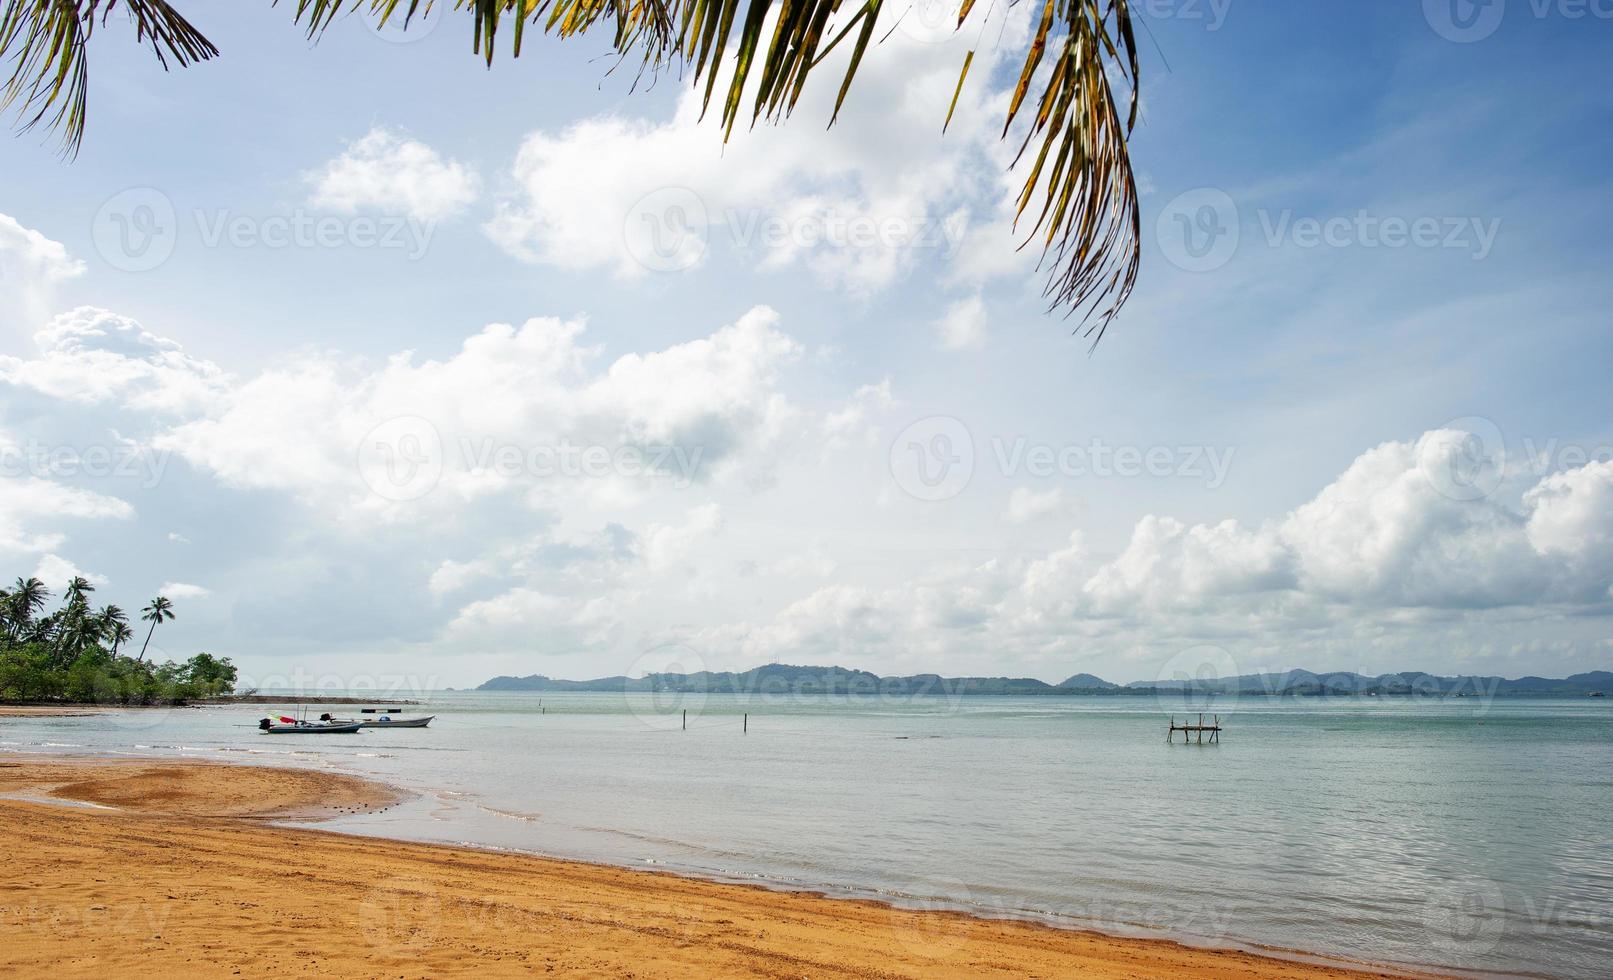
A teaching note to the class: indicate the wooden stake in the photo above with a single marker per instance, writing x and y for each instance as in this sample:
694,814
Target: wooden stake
746,729
685,719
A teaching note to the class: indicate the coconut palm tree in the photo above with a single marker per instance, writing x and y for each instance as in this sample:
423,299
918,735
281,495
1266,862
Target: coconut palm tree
77,591
1079,196
155,612
114,627
119,634
74,629
23,602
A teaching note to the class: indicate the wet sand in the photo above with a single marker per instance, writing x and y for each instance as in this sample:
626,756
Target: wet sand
146,867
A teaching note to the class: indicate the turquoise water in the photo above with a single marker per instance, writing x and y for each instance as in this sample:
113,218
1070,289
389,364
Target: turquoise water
1461,833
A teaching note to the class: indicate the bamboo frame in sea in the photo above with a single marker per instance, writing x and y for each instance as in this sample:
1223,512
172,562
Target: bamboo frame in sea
1214,728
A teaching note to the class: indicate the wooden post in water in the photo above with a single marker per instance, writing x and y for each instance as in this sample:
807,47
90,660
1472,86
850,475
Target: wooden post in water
746,729
685,719
1187,728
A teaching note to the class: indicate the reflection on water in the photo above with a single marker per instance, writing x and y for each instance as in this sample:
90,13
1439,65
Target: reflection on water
1450,832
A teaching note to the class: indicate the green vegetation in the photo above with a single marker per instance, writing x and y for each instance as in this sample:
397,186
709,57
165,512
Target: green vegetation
71,655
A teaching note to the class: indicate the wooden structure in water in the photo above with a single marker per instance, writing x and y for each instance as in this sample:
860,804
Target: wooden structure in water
1187,730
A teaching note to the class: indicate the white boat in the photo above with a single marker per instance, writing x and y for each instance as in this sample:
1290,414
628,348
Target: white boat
291,726
384,721
387,721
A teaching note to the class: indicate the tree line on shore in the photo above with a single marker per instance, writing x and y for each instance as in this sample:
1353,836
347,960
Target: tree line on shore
76,653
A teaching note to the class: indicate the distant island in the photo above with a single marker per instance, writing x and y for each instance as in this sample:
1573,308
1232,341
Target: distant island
787,679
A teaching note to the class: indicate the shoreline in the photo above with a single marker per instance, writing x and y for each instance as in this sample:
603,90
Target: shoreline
446,902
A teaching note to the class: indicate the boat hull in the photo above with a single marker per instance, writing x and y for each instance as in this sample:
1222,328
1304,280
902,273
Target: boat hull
399,723
312,729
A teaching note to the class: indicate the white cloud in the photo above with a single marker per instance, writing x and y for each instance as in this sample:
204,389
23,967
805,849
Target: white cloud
1026,505
515,408
32,510
452,576
814,561
1571,520
387,172
665,547
31,267
92,356
531,621
963,326
1377,564
56,571
851,422
183,590
857,205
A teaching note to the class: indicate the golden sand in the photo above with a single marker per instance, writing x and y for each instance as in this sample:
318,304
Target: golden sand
184,879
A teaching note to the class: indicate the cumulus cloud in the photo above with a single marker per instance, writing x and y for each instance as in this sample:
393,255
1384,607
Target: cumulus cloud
578,589
1380,551
1571,521
31,267
963,326
93,356
526,408
452,576
56,571
183,590
852,421
667,546
1026,505
385,171
857,205
33,509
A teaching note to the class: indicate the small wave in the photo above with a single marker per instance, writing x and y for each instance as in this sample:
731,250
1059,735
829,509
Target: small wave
509,814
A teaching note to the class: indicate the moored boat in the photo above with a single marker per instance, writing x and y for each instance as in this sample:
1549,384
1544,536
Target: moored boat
383,721
291,726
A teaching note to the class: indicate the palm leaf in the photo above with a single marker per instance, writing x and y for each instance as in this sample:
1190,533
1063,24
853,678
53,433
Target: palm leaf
46,42
1079,176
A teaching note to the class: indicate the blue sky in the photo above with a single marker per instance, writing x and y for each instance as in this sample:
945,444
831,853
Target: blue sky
1409,438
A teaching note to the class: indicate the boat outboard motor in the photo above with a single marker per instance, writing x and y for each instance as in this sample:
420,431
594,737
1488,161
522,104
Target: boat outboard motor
265,724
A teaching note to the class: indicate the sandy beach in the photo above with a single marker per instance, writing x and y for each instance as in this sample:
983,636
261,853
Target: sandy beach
170,867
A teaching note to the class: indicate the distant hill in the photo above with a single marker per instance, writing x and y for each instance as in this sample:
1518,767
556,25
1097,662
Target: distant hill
788,679
1087,682
785,679
1304,682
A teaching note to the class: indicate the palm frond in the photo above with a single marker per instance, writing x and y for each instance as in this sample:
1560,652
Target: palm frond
46,42
1079,198
1089,218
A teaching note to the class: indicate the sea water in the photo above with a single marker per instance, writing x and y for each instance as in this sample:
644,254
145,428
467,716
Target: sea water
1464,833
